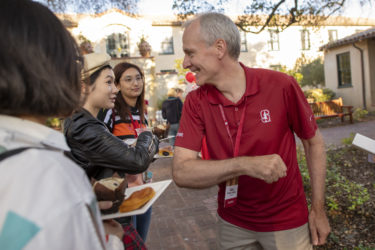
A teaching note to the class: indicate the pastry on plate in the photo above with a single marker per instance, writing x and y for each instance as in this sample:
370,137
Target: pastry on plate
137,199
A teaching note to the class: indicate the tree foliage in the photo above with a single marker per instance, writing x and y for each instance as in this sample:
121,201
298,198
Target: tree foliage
307,71
313,73
259,14
91,6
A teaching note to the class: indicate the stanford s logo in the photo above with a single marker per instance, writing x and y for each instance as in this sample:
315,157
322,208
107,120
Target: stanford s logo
265,116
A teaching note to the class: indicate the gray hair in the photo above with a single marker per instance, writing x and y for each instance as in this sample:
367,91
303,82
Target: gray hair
218,26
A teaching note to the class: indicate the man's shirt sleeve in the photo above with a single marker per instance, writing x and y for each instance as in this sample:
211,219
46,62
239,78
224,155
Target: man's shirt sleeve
300,117
191,130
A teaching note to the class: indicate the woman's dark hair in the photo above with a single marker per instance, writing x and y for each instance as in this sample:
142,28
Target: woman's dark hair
92,78
121,106
40,63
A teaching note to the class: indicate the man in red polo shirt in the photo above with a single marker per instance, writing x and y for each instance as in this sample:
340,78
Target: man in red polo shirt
249,117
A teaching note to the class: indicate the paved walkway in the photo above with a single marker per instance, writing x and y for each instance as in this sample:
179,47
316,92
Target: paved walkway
186,218
333,136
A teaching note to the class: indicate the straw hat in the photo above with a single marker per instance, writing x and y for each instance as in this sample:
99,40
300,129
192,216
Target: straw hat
93,62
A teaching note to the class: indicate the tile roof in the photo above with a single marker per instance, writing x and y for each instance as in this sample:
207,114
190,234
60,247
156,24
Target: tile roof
367,34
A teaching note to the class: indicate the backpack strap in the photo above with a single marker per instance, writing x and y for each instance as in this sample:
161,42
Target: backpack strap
12,152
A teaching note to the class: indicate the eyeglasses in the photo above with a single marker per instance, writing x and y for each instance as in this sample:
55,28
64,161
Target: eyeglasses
130,80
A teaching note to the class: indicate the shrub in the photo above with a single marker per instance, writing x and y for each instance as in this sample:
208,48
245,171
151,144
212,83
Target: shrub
292,72
348,140
359,114
342,194
320,95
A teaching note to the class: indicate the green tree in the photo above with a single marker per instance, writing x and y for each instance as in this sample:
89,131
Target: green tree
313,73
292,72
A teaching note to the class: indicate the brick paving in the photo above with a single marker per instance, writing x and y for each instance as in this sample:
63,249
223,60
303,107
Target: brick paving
181,218
186,218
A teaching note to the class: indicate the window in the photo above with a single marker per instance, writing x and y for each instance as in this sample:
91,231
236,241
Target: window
168,71
167,46
343,70
276,67
332,35
273,43
305,39
243,41
118,45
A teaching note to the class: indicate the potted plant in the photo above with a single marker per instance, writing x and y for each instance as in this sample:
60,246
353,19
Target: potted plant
144,47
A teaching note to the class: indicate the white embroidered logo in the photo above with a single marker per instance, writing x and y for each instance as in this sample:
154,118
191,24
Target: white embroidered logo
265,116
180,134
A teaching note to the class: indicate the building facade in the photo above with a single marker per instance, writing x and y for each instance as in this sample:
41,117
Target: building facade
118,34
349,65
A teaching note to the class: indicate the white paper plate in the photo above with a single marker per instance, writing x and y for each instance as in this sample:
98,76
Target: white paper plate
159,188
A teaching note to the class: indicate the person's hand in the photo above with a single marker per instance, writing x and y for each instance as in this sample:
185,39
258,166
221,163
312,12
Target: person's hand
149,141
103,205
319,226
269,168
111,226
114,228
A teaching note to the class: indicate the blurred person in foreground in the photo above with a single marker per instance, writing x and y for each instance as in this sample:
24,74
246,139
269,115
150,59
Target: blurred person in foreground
47,201
249,117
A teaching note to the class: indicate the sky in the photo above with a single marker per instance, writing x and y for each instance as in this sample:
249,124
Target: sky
164,7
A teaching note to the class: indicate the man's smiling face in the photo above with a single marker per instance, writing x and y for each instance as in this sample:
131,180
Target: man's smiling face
200,57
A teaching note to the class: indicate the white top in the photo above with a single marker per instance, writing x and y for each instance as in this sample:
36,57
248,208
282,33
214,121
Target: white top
46,200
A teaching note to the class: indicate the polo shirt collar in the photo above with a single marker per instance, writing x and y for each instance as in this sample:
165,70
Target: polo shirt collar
27,133
216,97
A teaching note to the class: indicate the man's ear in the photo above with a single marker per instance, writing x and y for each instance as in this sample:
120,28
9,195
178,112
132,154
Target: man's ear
221,48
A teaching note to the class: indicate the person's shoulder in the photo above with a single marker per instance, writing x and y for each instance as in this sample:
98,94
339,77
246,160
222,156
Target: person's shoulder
82,123
199,93
271,77
104,114
269,73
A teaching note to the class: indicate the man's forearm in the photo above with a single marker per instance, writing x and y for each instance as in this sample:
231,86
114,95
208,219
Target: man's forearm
316,163
188,171
199,173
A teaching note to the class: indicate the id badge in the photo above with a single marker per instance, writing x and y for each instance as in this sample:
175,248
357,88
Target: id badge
231,191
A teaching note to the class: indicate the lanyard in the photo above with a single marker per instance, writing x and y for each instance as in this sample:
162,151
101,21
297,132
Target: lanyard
135,125
236,147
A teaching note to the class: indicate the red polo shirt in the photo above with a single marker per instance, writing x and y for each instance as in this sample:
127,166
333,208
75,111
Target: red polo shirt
275,109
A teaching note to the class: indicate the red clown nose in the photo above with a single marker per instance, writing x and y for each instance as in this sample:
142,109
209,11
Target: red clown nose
190,77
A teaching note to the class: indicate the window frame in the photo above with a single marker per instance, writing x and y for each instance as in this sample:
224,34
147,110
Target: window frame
305,35
341,71
165,42
117,41
330,36
272,41
243,40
